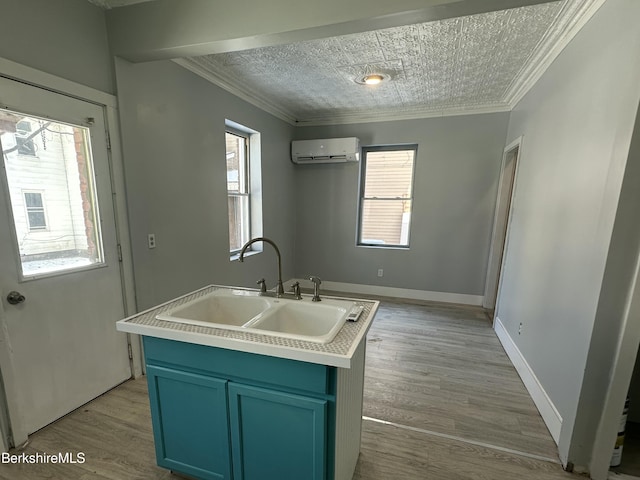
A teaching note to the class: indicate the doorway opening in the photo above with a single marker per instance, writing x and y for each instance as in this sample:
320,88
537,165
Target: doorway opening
501,224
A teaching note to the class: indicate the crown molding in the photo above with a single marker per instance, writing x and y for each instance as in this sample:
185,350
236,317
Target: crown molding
404,114
568,23
198,65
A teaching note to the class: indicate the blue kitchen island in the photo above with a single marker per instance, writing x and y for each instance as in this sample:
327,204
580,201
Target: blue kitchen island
228,404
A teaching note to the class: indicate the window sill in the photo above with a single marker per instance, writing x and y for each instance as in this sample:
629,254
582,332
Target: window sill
384,247
250,253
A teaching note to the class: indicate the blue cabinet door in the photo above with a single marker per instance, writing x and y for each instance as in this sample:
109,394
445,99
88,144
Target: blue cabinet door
277,435
190,423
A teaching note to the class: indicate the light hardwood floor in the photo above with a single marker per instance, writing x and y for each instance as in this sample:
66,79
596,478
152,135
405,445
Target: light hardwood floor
441,402
442,368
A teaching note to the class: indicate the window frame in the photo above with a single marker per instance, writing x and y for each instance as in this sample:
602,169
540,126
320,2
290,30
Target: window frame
247,179
362,187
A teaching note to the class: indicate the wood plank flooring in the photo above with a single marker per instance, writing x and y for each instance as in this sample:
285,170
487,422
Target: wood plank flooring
441,368
114,433
441,402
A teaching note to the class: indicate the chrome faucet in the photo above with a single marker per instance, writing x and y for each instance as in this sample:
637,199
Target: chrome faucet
279,288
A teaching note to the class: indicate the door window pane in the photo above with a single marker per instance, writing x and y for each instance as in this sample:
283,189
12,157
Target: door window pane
53,200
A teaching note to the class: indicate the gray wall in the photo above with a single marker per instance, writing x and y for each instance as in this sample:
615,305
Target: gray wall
455,191
577,123
67,38
617,284
174,153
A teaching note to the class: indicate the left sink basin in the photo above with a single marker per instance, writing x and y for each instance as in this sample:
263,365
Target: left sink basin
227,309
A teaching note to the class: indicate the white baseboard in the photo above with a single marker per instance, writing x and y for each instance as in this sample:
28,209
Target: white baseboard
547,409
382,291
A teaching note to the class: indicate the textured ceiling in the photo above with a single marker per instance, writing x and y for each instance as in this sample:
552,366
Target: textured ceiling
459,65
479,63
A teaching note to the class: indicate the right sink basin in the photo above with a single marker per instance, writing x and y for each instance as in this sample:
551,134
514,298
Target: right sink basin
303,320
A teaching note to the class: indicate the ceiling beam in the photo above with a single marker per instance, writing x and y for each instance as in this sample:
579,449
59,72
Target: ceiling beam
165,29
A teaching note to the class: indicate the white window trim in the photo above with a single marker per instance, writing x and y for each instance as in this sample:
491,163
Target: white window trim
254,163
247,179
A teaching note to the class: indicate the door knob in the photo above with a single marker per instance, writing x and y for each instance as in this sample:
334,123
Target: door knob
14,298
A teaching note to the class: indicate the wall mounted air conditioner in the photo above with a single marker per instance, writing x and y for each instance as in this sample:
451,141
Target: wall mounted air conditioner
328,150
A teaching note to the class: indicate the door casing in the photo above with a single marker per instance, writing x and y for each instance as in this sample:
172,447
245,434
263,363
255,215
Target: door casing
15,436
502,217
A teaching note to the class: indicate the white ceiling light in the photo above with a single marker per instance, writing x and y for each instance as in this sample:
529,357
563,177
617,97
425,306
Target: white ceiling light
372,79
372,74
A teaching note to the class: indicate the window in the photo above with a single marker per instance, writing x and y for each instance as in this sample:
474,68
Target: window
53,200
238,190
244,186
386,195
35,211
24,143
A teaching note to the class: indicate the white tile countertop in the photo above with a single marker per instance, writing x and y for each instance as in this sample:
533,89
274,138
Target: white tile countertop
337,353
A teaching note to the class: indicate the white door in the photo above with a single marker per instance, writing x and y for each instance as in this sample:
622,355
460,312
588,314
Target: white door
60,283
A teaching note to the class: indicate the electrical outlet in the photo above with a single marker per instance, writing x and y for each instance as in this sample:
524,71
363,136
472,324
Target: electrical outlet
380,272
520,328
151,240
